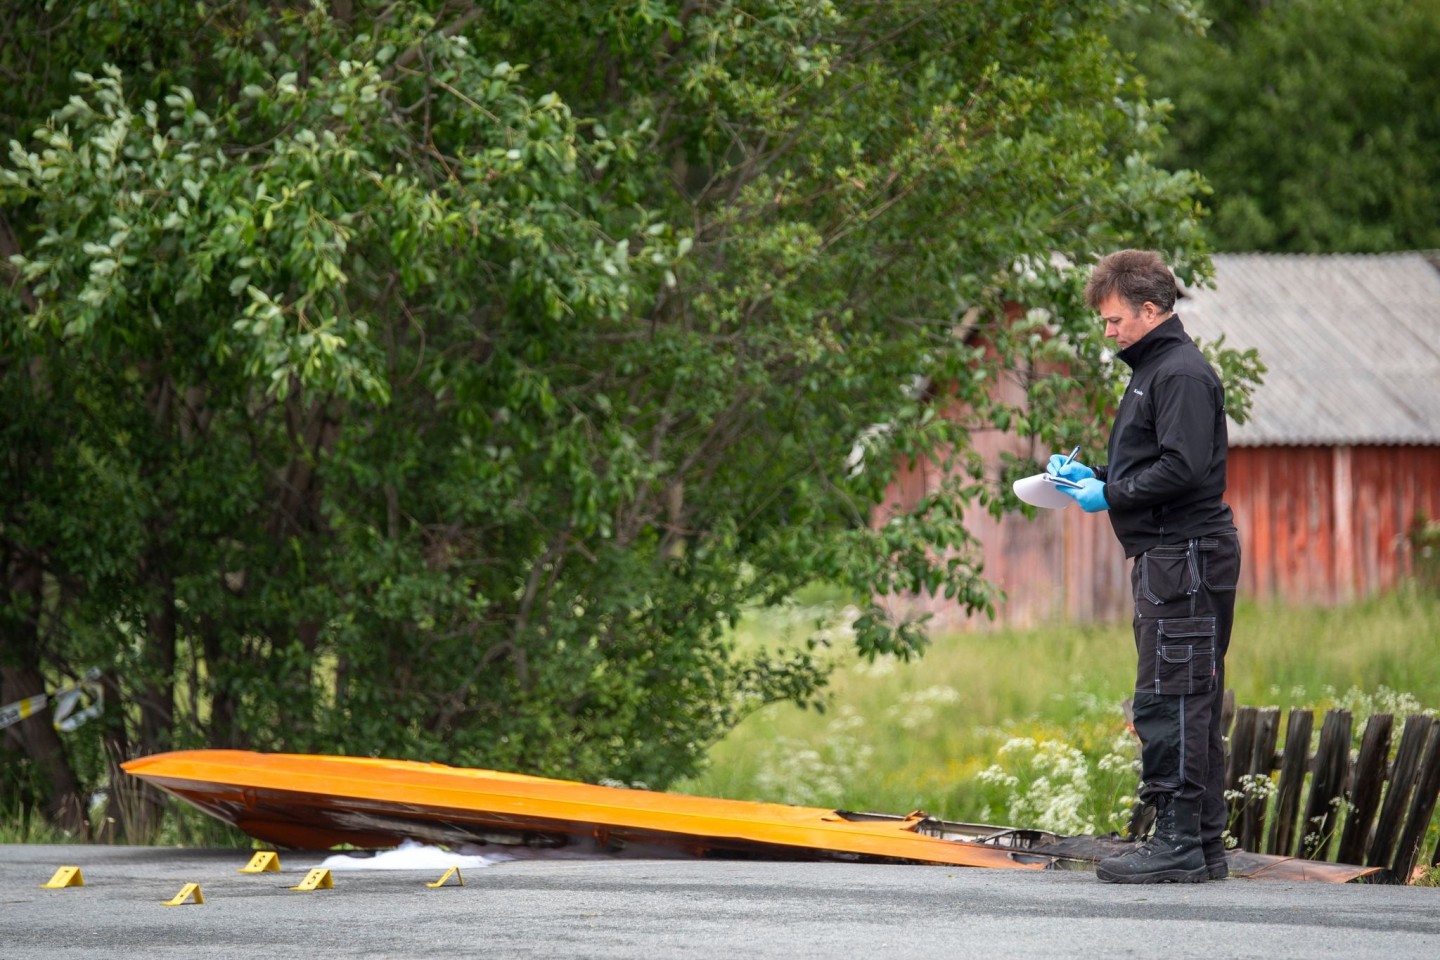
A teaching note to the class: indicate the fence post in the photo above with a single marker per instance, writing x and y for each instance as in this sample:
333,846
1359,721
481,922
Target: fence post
1422,804
1397,796
1327,784
1262,761
1366,783
1292,782
1237,764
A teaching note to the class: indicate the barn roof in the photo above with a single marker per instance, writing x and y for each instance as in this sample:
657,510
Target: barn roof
1352,342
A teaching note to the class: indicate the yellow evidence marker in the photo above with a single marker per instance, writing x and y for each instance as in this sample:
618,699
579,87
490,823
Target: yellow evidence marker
264,861
64,877
453,871
317,879
191,891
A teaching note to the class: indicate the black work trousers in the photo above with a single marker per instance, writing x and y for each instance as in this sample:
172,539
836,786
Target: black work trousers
1184,609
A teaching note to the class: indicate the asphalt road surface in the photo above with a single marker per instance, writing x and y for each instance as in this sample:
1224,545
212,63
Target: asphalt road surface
659,909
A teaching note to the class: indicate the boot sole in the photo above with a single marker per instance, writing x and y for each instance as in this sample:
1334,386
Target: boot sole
1198,875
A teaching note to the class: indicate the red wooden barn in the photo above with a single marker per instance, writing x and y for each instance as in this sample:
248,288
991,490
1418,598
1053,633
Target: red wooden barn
1327,478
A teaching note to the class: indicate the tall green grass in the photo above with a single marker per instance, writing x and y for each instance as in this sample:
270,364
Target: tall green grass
1026,727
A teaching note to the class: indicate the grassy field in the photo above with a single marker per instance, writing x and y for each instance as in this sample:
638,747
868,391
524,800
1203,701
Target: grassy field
1025,726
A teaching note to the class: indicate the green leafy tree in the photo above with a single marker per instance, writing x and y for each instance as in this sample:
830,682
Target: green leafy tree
1315,122
442,380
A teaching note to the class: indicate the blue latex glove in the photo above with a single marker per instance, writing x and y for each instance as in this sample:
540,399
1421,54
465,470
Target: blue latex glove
1074,470
1090,495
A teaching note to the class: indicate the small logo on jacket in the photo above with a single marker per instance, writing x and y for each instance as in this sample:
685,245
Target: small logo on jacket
1139,393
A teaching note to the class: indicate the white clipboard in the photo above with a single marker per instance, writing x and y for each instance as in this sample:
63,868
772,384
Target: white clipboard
1043,490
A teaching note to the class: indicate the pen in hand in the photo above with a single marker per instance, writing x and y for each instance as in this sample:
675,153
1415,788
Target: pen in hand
1072,456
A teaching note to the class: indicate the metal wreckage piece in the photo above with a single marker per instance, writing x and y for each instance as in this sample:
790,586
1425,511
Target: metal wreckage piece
316,802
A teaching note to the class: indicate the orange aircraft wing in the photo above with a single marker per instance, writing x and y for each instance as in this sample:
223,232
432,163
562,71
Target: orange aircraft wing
315,802
320,801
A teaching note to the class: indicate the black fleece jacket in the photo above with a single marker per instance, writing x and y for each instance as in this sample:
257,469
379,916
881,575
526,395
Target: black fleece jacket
1165,481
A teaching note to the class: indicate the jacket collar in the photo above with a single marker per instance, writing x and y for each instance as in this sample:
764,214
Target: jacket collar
1168,334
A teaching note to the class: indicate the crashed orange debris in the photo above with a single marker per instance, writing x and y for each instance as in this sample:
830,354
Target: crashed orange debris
315,802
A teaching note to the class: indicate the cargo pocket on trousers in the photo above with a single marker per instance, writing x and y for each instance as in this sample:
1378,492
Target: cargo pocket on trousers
1220,569
1166,574
1185,656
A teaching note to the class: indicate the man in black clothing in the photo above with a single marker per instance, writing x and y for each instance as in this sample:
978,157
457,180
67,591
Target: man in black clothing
1163,486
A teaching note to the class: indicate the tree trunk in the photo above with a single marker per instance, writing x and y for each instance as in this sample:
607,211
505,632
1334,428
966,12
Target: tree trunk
224,728
141,811
20,678
157,698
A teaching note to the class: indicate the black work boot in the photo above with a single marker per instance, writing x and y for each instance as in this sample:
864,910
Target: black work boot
1217,861
1172,854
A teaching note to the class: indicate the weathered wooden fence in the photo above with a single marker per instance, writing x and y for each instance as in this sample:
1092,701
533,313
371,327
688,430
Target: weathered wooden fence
1355,806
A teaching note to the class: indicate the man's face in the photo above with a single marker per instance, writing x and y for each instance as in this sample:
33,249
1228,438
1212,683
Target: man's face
1125,324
